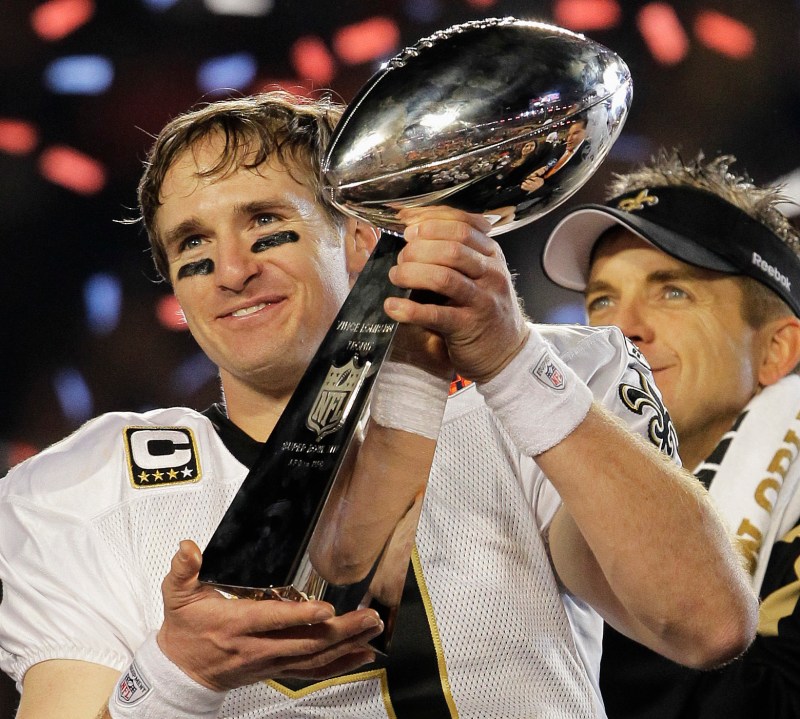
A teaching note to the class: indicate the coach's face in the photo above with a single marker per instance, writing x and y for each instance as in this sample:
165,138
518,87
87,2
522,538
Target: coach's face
688,323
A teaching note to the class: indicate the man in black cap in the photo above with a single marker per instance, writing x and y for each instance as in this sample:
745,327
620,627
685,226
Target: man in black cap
701,271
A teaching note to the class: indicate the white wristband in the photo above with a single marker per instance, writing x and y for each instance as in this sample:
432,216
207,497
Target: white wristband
537,397
409,398
152,687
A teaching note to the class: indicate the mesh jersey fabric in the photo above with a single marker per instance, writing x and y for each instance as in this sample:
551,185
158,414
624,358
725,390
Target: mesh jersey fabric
83,551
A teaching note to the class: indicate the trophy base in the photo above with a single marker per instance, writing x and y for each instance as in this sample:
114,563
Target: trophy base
284,594
313,587
343,599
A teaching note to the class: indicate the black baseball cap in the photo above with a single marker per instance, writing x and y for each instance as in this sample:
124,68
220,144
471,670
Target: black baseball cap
695,226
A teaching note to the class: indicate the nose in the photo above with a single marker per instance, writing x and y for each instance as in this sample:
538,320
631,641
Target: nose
235,264
632,318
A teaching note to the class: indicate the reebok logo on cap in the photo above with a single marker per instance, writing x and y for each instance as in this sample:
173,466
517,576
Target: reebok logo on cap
773,272
692,225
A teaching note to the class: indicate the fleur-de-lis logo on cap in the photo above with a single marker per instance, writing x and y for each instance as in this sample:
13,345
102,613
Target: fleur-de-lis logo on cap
631,204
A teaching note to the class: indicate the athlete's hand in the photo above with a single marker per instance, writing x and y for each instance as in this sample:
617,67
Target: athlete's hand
449,252
227,643
417,346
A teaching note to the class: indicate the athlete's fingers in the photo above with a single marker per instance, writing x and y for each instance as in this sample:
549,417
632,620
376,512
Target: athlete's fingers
462,276
451,231
438,318
330,661
451,284
415,215
449,224
183,592
454,255
309,621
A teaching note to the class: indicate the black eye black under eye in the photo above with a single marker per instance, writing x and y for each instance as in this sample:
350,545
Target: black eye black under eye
201,267
206,266
274,240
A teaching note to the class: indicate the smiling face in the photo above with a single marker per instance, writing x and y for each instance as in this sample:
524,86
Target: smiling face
688,323
257,266
575,135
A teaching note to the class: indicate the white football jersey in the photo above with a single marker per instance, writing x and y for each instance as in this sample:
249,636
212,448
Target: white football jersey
88,528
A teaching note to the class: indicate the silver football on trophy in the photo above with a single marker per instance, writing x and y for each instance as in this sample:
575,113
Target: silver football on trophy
503,117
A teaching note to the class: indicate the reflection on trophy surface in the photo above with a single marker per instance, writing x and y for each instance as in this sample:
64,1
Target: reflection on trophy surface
502,117
447,120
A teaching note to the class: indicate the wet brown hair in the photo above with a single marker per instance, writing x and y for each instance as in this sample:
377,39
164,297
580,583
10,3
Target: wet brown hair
294,129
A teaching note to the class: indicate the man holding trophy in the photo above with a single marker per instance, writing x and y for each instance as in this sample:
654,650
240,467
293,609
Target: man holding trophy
526,537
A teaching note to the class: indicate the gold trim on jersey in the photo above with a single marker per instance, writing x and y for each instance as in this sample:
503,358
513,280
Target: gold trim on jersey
437,641
380,674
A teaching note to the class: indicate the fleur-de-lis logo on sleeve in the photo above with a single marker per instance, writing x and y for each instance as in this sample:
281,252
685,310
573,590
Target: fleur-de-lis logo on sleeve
660,428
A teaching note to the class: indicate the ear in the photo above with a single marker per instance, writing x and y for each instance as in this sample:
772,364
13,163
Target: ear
782,349
360,239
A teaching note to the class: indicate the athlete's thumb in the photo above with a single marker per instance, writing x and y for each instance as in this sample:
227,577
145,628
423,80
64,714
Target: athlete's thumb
182,579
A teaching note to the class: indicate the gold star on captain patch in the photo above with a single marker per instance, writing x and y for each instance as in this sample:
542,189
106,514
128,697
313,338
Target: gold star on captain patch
158,474
143,477
172,474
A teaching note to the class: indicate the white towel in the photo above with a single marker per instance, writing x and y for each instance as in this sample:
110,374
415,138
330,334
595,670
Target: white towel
754,474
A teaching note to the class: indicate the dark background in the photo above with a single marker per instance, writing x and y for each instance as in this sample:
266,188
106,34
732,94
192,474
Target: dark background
57,371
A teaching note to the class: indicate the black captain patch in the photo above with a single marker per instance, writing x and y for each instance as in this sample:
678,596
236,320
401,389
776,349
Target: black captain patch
160,456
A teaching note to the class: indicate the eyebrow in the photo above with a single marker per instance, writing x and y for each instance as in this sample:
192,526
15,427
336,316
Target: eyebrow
193,225
175,234
597,286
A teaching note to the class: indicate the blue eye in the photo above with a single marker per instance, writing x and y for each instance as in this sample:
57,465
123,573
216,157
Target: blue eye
598,303
190,243
674,293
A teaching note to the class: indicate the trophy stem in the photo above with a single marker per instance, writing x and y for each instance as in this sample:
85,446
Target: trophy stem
259,548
